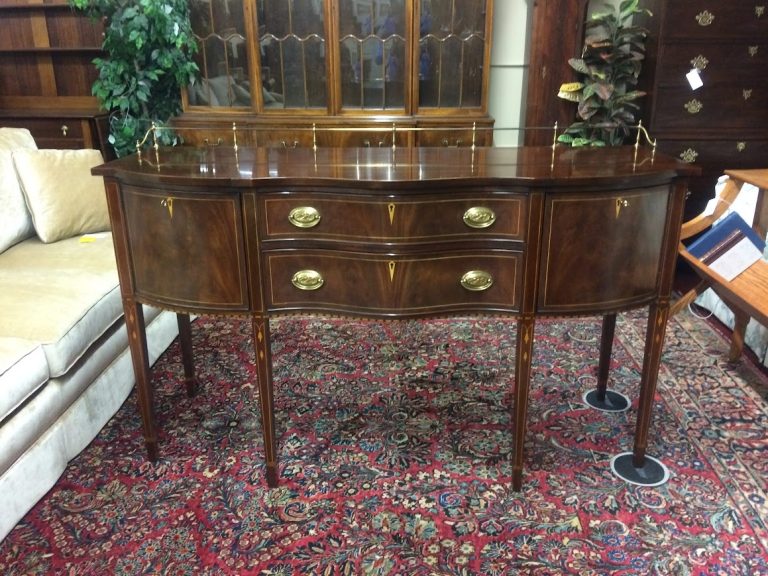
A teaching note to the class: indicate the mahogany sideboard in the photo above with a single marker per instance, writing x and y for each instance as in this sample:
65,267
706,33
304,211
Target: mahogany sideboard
385,233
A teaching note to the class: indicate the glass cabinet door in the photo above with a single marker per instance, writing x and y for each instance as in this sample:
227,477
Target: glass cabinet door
293,53
372,54
219,28
451,53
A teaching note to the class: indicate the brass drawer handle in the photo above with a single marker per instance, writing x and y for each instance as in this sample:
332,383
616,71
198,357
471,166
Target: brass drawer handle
64,130
479,217
699,62
759,11
741,146
705,18
304,217
694,106
689,156
476,280
447,143
307,280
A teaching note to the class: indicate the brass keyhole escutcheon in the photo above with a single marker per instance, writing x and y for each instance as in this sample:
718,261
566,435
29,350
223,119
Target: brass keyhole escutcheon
64,129
391,209
621,203
168,204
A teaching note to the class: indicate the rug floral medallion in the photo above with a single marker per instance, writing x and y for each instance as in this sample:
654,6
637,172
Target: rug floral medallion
394,447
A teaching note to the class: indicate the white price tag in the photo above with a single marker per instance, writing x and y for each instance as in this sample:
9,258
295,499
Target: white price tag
694,79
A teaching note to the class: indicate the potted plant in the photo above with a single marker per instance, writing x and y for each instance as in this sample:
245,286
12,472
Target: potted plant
148,46
609,67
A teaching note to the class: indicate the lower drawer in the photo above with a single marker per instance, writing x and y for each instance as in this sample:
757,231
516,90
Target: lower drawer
393,285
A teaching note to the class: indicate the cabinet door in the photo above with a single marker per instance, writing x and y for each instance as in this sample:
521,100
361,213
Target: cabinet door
173,234
601,251
373,54
221,32
293,54
452,53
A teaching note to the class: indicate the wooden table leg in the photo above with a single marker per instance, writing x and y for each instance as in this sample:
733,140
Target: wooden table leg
266,402
523,360
606,349
187,354
602,398
637,467
137,340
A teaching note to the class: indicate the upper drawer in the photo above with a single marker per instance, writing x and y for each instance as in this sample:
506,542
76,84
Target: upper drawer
725,63
715,18
51,132
436,218
738,105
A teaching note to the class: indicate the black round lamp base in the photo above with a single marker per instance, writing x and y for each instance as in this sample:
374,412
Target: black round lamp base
651,473
613,402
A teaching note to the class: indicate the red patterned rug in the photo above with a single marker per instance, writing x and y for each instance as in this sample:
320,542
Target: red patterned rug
394,451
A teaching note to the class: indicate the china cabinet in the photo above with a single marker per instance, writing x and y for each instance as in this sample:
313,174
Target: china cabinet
46,73
361,72
724,123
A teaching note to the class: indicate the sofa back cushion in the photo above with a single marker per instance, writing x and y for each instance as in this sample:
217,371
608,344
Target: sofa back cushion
64,198
13,138
15,220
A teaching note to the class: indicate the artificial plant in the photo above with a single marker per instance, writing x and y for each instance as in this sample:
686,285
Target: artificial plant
148,47
609,69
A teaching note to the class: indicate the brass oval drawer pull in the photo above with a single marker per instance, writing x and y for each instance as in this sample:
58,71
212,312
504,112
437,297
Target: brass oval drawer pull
304,217
479,217
476,280
307,280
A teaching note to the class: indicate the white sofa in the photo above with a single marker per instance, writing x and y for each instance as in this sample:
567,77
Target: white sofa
65,367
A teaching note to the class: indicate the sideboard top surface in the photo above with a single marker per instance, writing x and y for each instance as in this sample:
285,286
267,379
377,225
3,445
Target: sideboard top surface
388,168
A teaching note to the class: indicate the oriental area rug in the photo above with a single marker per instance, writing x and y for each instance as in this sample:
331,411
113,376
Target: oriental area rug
394,447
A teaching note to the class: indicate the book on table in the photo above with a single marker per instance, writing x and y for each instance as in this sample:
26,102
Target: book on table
729,247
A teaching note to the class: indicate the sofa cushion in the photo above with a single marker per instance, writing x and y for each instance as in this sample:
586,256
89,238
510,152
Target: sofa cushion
14,138
63,295
15,221
65,199
23,369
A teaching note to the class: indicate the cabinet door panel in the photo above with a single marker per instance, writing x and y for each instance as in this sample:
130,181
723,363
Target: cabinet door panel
173,234
614,247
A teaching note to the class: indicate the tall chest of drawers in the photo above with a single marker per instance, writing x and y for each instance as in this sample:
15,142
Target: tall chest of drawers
724,123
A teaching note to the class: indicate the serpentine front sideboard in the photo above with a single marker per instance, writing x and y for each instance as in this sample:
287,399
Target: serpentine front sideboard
385,233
